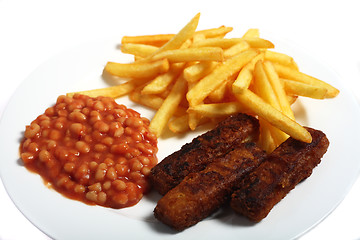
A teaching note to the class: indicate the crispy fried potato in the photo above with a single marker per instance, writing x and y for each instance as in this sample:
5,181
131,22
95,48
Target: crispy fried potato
197,71
179,124
245,76
236,49
196,76
181,37
259,42
280,58
302,89
218,109
291,74
266,140
273,116
263,87
168,108
161,82
215,32
278,89
137,70
156,40
192,54
252,33
138,50
153,101
210,82
218,42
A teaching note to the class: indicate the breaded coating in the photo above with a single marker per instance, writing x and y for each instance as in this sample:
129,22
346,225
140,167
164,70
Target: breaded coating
202,193
289,164
196,155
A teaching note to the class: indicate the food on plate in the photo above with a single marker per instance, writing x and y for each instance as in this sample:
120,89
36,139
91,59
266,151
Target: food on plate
195,68
202,193
290,163
196,155
92,150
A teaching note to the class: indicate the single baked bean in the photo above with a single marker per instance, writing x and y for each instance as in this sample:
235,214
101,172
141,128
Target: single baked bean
69,167
101,126
33,147
91,196
27,157
77,129
82,147
122,169
119,148
121,198
101,197
79,188
119,185
107,185
100,172
100,147
99,106
95,187
111,174
44,156
108,141
32,130
77,116
146,171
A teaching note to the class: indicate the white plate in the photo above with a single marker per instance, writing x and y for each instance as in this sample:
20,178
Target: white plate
81,68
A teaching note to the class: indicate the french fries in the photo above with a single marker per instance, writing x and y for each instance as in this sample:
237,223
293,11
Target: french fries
137,70
210,82
200,76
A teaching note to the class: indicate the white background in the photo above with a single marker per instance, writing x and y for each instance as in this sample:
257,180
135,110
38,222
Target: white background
33,31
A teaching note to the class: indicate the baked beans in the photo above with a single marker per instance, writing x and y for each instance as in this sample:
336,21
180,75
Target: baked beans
92,150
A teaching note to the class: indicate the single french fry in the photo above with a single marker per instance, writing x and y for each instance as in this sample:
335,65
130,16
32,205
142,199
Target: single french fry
179,124
245,76
280,58
137,70
198,37
259,43
218,109
197,71
219,93
236,49
153,102
155,40
263,87
181,37
292,99
210,82
161,82
159,40
169,106
218,42
277,135
192,54
291,74
303,89
273,116
194,120
252,33
139,50
215,32
278,89
113,91
266,140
